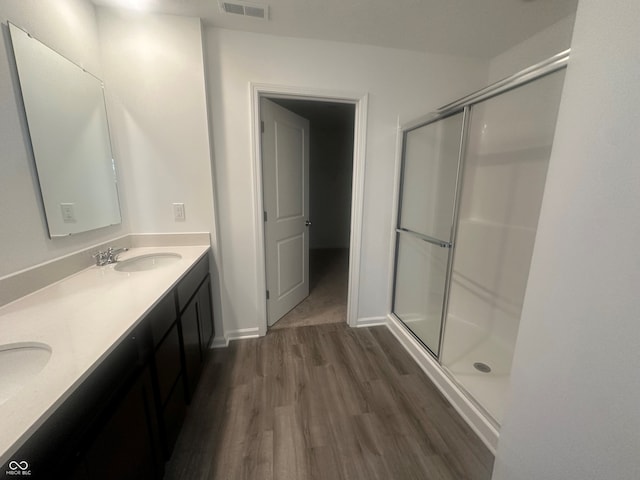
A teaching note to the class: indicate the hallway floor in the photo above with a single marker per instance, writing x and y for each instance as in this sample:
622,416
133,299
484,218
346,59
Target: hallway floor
324,402
327,300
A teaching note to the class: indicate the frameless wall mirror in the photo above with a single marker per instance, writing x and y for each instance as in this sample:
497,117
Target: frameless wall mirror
67,120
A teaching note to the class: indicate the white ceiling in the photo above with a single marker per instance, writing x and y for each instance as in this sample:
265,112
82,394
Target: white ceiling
477,28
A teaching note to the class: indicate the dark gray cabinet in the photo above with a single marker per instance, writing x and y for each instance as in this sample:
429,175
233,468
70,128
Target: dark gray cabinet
107,428
123,420
175,326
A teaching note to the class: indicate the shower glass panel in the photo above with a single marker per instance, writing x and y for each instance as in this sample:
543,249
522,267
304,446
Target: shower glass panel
421,273
430,167
425,224
508,148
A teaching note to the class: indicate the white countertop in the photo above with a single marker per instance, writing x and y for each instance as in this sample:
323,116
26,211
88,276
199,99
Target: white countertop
81,318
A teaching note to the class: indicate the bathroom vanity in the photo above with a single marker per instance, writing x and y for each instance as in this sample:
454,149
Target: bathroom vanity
126,345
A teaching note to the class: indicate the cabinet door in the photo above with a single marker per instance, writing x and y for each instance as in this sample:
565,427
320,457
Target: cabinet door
173,415
168,377
167,363
124,446
191,342
197,331
205,317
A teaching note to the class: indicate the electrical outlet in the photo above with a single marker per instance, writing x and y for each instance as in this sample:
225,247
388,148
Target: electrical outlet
178,212
68,212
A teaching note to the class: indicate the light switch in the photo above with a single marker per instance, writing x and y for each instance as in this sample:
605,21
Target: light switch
178,212
68,212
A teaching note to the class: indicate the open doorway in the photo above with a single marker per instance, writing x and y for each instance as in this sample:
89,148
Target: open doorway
328,220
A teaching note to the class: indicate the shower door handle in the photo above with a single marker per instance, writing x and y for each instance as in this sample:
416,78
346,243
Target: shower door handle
426,238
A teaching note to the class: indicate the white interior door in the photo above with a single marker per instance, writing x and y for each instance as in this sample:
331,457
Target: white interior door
285,179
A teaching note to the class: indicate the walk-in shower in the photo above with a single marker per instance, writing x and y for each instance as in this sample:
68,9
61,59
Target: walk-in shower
471,186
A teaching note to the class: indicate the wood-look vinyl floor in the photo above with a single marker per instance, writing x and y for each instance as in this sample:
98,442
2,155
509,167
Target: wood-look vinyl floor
323,402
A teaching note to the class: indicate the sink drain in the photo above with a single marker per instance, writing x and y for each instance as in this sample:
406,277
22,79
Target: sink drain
482,367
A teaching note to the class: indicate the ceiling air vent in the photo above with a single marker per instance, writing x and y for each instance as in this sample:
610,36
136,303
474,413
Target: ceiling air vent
246,9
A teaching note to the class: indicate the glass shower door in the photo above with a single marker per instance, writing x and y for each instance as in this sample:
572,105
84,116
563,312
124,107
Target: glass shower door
508,147
430,164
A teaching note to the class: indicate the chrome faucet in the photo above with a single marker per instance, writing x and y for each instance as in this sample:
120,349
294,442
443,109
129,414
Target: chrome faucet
109,256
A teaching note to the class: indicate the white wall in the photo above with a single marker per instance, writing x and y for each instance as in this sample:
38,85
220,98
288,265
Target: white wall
69,27
539,47
400,83
156,93
576,378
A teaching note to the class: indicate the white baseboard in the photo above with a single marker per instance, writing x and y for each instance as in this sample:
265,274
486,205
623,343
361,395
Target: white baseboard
219,342
485,430
222,342
370,321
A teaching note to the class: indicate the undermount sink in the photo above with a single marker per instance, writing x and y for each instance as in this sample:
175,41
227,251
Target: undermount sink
19,364
150,261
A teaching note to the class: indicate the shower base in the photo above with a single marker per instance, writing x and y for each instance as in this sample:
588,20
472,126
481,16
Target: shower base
465,345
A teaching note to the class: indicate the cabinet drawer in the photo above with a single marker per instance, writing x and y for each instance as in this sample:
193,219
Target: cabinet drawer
189,284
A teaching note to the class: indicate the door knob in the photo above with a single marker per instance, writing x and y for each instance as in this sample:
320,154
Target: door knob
308,223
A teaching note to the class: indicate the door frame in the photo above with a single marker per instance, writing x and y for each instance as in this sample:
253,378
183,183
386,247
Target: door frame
360,101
